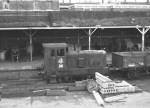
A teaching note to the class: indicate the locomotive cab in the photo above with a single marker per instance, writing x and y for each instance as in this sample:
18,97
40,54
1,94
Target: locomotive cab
54,60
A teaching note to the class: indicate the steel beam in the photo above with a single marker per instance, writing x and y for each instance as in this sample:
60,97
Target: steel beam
31,34
31,47
90,35
143,31
89,39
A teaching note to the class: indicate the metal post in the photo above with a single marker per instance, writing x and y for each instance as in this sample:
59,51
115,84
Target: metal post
89,39
30,34
143,32
31,50
78,41
143,40
34,4
91,32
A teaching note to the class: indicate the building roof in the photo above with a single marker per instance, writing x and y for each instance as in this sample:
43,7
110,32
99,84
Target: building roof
72,19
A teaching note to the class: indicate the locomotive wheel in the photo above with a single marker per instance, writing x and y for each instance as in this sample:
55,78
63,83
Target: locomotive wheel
62,79
89,77
44,77
129,75
66,78
92,76
70,79
51,80
48,80
132,75
59,79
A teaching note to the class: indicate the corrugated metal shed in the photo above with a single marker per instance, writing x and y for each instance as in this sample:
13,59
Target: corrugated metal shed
72,18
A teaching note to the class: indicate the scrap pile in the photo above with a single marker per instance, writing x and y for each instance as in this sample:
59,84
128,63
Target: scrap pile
107,86
104,86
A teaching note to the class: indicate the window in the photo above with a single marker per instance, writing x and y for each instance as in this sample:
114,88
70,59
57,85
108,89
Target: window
60,52
66,49
52,52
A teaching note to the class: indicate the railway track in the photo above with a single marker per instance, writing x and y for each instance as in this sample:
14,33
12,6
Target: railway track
18,83
26,88
22,83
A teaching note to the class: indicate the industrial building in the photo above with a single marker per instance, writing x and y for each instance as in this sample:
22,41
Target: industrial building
52,48
113,25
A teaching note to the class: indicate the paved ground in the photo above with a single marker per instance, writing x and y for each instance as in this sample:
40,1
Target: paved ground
82,100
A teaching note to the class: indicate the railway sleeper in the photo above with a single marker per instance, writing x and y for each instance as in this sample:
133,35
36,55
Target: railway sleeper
67,78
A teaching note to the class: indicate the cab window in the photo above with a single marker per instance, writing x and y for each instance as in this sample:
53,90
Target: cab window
60,52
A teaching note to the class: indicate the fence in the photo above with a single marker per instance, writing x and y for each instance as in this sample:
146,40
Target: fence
29,5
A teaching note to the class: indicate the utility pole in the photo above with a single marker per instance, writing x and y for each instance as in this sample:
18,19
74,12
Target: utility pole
90,33
30,34
143,31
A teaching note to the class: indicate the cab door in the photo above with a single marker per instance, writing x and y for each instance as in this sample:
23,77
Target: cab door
52,61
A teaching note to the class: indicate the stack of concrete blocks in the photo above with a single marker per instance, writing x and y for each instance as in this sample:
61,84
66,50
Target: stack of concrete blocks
123,87
107,86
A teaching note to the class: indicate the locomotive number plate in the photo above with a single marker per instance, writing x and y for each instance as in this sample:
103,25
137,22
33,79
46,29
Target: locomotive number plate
60,63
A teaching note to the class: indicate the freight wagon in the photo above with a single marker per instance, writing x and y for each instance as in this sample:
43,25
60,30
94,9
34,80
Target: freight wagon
131,64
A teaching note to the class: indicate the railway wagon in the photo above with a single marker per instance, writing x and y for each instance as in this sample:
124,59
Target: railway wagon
131,64
147,60
60,64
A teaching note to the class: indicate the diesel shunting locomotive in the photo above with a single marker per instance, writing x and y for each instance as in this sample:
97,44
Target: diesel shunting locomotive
62,64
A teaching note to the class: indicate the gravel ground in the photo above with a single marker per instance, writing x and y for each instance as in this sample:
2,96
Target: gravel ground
75,100
82,100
